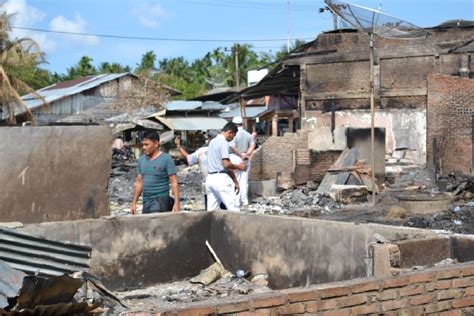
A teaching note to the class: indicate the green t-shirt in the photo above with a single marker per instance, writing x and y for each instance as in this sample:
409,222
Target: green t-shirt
156,174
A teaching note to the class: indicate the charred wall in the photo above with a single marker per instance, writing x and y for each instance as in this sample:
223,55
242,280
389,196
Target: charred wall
335,76
450,123
54,173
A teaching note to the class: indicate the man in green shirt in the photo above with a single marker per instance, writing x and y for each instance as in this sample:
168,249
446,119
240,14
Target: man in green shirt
156,173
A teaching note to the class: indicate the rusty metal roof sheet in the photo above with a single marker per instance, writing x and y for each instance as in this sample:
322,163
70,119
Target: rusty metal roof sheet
33,255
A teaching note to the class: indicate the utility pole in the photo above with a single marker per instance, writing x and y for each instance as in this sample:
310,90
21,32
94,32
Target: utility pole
288,41
237,79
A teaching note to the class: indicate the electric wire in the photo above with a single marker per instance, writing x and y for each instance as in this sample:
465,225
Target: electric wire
151,38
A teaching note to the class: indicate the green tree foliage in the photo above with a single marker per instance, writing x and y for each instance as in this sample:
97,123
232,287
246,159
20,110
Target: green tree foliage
112,68
147,64
218,68
83,68
283,52
17,58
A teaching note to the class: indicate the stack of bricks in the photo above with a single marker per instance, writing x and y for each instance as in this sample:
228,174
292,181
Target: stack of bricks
321,162
277,155
303,166
450,121
290,154
441,291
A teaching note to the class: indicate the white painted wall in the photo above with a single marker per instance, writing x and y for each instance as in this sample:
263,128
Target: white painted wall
405,128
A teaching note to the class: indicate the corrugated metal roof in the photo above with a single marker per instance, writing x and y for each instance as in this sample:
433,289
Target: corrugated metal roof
183,105
251,112
212,105
32,254
193,123
68,88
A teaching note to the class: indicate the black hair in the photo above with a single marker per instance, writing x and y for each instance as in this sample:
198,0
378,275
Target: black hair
151,135
230,127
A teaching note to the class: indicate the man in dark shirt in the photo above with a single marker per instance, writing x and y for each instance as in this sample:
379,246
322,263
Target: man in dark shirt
156,173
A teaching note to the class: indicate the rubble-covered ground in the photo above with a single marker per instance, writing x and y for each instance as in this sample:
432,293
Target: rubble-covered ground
167,295
122,180
303,201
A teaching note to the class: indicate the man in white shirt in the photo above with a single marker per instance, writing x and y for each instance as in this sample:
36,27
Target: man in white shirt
219,186
200,157
243,145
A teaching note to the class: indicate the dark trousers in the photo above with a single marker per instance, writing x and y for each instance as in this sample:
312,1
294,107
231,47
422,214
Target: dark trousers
158,205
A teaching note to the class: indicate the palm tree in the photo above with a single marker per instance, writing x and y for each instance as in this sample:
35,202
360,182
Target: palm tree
14,54
147,64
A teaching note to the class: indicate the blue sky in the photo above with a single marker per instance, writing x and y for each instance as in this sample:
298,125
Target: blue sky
230,20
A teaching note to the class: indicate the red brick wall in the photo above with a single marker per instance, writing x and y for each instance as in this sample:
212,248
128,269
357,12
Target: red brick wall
277,155
290,154
444,291
322,161
449,120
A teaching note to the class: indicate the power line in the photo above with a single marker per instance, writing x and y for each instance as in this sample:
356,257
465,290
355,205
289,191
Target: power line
152,38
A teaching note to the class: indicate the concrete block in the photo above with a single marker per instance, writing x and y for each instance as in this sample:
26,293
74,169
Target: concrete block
263,188
385,256
321,139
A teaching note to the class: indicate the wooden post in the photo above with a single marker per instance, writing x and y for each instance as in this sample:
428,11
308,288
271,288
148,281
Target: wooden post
372,116
290,124
275,125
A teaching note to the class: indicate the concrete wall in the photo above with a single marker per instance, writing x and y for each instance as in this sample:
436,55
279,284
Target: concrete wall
450,122
404,128
137,251
54,173
296,251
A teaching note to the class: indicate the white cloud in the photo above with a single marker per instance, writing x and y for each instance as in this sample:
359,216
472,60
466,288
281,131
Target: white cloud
77,25
149,15
25,15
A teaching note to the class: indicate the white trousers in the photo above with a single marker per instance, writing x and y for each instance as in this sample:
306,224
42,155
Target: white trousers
244,185
220,189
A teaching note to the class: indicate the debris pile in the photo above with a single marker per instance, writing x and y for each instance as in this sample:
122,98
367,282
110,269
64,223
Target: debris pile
213,282
190,181
122,181
348,180
59,295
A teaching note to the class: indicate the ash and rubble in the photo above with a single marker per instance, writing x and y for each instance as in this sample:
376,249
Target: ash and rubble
166,295
122,181
305,201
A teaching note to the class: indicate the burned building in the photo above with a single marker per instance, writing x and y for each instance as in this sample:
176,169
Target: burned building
330,76
335,83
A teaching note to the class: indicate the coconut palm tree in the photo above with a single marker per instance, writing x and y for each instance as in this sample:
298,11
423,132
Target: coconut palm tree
14,54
